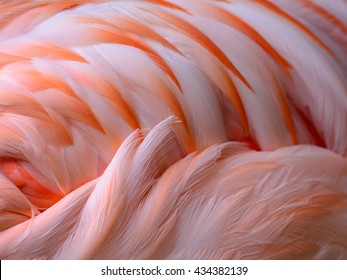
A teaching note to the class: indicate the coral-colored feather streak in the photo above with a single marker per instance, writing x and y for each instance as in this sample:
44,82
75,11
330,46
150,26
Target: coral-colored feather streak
173,129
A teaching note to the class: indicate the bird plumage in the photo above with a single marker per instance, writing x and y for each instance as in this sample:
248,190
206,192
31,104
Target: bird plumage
93,165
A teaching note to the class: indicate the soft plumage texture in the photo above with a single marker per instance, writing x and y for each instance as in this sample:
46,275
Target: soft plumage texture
181,129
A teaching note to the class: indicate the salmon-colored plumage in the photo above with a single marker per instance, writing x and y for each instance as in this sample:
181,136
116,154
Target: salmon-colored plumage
173,129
